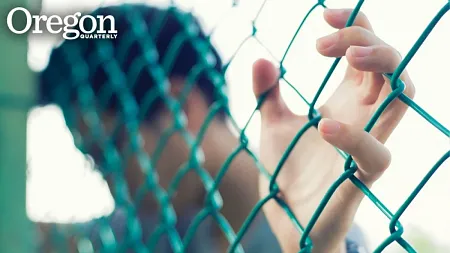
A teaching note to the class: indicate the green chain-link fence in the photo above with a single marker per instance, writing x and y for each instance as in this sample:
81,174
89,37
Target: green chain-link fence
92,102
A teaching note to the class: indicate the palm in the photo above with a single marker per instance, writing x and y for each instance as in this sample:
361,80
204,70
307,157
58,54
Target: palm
358,97
346,105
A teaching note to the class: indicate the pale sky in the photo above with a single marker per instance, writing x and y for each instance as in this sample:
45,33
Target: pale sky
61,188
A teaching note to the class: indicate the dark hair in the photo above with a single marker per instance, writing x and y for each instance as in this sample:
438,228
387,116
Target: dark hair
58,84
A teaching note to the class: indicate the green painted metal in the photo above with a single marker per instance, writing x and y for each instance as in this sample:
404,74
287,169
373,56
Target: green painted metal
12,133
16,96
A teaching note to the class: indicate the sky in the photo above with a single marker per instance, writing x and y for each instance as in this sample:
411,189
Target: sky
63,187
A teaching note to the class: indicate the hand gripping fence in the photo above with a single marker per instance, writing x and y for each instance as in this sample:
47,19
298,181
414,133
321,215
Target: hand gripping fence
132,114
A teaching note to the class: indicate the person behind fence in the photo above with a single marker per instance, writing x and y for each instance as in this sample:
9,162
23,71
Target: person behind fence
313,165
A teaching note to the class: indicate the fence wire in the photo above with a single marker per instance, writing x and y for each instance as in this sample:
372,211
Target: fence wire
120,84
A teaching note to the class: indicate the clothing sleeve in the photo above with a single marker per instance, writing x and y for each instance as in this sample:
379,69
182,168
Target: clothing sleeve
355,242
262,240
258,239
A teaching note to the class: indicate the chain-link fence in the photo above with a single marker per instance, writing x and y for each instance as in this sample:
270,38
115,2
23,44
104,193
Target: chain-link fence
123,73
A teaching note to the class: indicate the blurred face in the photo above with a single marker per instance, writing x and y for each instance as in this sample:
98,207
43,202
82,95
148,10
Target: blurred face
165,150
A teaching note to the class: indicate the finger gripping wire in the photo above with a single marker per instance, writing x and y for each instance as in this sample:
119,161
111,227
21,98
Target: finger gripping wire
122,87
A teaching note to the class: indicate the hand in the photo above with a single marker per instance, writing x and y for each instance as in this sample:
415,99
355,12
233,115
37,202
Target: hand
314,164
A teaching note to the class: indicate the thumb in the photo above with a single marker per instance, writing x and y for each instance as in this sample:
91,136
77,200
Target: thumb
371,156
266,86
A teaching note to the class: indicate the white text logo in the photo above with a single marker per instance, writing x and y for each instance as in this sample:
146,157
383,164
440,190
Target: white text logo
89,27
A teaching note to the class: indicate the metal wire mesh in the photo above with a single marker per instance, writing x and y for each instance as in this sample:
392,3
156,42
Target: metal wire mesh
91,102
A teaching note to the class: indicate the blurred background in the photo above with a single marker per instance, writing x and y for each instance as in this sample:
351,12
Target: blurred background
63,186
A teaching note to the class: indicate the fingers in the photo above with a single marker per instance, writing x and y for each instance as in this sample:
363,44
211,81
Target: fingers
337,18
336,44
363,50
265,83
378,59
372,157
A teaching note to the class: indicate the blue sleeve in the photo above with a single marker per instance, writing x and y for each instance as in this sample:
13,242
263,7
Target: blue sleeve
262,239
355,242
258,239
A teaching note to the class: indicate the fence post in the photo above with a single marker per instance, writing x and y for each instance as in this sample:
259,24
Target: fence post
16,92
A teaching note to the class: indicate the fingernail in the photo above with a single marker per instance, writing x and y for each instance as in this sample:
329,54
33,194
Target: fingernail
360,51
329,126
327,41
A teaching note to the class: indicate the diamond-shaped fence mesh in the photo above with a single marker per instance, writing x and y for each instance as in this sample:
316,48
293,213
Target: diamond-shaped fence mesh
121,69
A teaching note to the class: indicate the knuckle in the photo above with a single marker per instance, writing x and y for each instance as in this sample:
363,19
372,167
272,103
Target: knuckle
388,56
355,141
362,20
392,52
353,30
340,35
359,143
357,33
363,17
410,90
389,52
381,159
400,56
387,161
